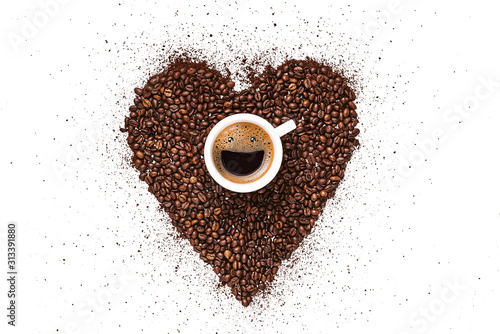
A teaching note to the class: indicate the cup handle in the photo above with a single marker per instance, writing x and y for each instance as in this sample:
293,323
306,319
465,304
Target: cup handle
283,129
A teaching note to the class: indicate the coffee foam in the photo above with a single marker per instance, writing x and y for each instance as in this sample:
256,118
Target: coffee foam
237,138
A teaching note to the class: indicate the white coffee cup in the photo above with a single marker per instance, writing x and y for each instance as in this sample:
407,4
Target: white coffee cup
274,134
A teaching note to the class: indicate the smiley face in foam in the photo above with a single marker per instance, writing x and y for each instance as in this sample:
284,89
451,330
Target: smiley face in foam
243,152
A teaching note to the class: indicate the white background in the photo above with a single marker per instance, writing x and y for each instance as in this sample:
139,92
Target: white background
417,213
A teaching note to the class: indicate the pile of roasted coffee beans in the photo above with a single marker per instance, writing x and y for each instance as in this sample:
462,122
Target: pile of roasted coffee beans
244,237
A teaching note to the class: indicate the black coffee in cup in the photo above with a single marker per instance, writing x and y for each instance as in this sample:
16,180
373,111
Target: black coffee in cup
243,152
242,163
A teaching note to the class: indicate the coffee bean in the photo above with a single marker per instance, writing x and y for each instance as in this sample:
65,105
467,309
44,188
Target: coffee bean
244,237
202,197
233,281
146,103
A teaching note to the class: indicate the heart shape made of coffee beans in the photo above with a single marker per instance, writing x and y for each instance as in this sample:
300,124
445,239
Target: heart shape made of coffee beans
243,236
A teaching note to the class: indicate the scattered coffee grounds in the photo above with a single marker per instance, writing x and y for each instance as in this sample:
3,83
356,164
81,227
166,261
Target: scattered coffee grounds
244,237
